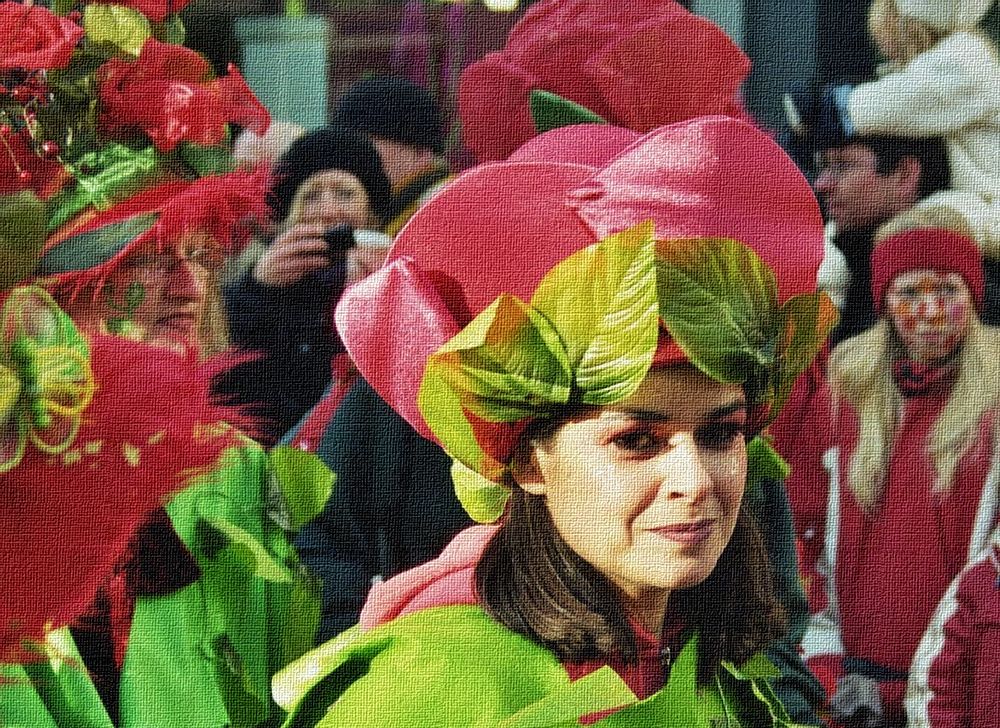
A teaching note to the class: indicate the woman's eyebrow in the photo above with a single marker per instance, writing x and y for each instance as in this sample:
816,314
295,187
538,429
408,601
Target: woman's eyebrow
718,413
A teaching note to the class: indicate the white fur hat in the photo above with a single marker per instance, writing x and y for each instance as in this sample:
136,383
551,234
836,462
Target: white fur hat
947,15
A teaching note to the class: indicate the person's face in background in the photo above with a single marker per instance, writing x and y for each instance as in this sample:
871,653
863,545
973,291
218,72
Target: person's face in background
330,198
856,195
930,312
648,490
158,296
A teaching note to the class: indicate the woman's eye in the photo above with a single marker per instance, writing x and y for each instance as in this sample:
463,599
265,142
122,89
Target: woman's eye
637,442
720,435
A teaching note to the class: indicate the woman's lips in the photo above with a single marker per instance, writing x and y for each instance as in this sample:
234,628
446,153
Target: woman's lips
690,533
179,322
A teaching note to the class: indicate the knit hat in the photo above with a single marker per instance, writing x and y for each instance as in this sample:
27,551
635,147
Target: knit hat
485,312
928,248
946,15
392,108
327,149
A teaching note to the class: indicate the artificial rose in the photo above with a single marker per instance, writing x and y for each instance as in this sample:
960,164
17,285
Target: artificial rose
34,38
169,93
641,64
155,10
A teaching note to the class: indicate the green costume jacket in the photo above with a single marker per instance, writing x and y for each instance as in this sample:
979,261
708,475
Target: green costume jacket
203,656
455,667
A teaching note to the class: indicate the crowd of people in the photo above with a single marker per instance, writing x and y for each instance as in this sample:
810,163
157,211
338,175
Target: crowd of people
645,419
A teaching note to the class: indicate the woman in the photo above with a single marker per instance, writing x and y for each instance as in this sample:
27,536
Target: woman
914,401
329,181
149,267
192,615
559,361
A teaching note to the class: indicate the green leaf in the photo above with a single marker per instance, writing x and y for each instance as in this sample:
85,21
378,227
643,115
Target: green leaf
482,499
304,481
807,321
252,552
206,160
600,690
171,30
64,685
506,364
22,236
764,463
551,111
442,410
718,301
94,247
123,27
602,302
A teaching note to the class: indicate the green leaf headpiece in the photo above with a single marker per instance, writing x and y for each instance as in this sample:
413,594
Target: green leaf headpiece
590,334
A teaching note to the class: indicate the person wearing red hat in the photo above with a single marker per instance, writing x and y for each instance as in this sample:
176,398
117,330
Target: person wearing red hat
914,399
133,624
149,266
573,367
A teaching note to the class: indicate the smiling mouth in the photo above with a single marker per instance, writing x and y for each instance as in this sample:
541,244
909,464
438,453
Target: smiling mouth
691,533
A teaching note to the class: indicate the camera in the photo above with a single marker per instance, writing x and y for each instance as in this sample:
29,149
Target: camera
339,240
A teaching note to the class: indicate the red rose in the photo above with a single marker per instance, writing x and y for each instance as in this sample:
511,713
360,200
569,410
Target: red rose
170,94
155,10
32,37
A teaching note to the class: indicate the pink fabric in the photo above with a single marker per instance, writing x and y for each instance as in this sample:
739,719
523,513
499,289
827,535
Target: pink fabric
448,580
591,144
701,179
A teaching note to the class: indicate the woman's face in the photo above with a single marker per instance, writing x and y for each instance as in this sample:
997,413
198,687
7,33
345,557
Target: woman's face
648,490
330,198
930,312
174,285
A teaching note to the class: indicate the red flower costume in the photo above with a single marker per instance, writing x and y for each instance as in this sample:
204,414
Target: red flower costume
32,37
168,93
134,448
639,65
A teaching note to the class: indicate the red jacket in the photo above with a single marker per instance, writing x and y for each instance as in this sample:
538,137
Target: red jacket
955,681
893,565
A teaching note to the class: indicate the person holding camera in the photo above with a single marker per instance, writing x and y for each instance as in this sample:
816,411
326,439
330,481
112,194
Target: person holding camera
329,197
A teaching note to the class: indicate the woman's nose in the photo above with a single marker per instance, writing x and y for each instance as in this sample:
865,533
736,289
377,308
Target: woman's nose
186,280
684,470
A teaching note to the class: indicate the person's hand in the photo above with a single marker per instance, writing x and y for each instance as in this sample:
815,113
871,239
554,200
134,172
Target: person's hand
292,256
857,704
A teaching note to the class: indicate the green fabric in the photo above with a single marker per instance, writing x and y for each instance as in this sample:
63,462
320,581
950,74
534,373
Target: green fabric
203,655
455,667
53,693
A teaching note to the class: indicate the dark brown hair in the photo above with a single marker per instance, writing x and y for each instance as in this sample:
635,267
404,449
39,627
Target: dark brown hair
533,583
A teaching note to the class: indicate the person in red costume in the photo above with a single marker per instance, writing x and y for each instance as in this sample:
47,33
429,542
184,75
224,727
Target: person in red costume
955,677
914,402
